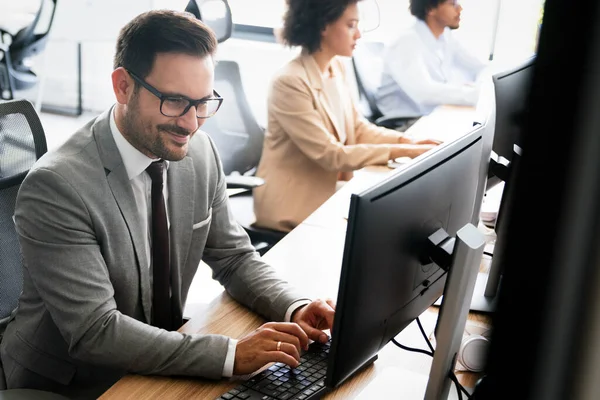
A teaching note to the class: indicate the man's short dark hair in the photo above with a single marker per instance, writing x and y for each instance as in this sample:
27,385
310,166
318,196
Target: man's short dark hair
161,31
304,21
420,8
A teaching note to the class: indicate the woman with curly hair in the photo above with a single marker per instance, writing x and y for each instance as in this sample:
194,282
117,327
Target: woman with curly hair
315,136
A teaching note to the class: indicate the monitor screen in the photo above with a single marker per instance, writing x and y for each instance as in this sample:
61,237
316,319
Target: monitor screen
385,282
511,91
508,95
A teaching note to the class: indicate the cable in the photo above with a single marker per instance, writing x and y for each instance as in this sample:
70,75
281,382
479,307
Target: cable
412,348
459,386
451,374
425,335
456,384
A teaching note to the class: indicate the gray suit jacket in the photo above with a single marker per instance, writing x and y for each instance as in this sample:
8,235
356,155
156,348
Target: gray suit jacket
83,315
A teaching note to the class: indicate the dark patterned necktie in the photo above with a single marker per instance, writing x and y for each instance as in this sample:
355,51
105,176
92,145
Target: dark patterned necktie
161,299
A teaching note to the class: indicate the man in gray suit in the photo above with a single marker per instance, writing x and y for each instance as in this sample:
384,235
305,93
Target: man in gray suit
85,220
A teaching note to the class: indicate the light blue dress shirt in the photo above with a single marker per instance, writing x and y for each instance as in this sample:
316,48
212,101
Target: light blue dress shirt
421,72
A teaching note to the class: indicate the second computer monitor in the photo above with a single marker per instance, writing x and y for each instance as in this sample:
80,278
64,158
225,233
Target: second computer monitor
511,92
387,279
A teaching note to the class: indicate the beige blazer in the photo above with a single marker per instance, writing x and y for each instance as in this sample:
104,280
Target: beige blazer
303,157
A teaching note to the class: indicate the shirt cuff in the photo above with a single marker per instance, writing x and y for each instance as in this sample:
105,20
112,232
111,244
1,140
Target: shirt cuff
230,358
295,305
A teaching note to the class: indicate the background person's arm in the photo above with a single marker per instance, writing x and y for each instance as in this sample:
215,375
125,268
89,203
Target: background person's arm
293,106
406,66
465,60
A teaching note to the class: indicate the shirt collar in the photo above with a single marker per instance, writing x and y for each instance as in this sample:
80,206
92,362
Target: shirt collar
315,76
428,36
135,162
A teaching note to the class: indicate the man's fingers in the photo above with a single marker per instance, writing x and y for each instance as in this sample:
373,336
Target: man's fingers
313,333
285,338
330,303
289,349
327,312
291,329
281,356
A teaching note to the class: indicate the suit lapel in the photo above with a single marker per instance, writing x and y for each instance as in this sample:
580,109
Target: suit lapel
181,184
118,182
316,80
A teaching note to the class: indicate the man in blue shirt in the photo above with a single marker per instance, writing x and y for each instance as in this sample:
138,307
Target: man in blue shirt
425,66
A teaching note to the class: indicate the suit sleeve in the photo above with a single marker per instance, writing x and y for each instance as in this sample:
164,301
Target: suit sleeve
238,267
62,255
292,105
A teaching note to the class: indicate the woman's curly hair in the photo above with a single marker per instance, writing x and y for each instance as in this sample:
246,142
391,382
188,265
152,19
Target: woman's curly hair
304,21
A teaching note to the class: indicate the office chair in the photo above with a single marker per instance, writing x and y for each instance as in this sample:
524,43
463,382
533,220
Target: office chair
239,140
214,13
367,62
235,131
15,50
22,143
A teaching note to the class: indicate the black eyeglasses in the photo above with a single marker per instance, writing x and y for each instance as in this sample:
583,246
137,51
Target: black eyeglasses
177,106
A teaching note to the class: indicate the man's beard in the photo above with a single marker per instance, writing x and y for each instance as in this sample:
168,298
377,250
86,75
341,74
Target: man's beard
147,138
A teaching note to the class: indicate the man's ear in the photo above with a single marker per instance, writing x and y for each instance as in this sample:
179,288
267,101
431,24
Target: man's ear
123,85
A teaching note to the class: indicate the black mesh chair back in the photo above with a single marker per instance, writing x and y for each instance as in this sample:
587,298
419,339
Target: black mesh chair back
22,142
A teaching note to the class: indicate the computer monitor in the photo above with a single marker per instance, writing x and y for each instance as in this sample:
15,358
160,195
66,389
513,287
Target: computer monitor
504,109
546,327
511,90
387,278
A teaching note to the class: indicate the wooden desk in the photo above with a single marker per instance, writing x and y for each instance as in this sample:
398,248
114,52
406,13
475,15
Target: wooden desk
324,233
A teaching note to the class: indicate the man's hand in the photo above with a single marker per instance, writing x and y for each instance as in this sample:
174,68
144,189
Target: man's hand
315,317
272,342
283,341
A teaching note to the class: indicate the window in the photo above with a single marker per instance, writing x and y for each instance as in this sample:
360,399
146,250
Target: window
508,29
266,13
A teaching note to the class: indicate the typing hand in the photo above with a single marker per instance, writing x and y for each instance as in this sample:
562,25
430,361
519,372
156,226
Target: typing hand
428,141
316,317
272,342
410,150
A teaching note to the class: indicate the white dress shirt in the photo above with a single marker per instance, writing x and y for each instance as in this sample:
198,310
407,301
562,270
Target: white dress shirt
135,164
421,72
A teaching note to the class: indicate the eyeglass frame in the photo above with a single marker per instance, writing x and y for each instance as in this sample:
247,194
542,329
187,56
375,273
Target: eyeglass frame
162,97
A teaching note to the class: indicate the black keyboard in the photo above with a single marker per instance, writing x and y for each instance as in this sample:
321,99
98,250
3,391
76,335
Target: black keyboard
281,382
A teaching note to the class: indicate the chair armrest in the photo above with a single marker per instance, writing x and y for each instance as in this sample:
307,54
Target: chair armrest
243,181
393,121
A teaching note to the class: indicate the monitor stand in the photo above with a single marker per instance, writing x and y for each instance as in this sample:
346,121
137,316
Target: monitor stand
481,302
486,287
452,318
